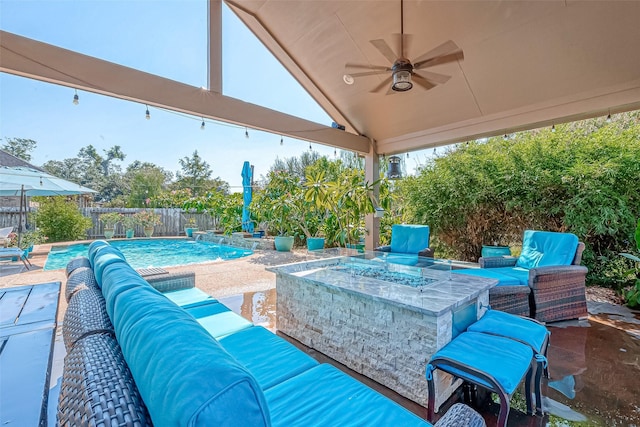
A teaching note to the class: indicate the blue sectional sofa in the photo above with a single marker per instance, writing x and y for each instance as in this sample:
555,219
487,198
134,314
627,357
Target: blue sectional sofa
545,282
183,358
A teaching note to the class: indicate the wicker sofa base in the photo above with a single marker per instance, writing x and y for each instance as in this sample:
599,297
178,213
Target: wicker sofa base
511,299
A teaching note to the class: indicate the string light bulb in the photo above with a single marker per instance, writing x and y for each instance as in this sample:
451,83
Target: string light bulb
246,133
202,125
310,147
281,140
335,152
609,117
76,98
147,114
407,155
505,137
434,150
553,128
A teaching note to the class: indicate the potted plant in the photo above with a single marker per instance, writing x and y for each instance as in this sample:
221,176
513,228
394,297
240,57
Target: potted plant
190,227
147,219
129,222
110,220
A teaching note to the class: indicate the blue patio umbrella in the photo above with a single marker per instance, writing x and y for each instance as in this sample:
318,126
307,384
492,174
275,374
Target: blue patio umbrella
247,174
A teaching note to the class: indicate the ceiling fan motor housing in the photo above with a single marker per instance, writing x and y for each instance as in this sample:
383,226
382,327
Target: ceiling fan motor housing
402,70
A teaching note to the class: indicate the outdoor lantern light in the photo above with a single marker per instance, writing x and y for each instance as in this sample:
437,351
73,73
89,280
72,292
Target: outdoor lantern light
147,114
394,171
76,99
402,81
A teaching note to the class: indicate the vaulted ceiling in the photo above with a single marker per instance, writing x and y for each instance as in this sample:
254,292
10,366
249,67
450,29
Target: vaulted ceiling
526,64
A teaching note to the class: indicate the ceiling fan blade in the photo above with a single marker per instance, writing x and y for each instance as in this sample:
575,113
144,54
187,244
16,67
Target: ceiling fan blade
368,73
421,81
384,83
384,49
446,47
433,77
444,59
367,67
402,42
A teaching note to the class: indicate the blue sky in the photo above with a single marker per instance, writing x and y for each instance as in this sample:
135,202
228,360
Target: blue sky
167,38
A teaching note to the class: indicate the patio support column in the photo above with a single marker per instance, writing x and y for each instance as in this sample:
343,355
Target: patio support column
215,46
371,174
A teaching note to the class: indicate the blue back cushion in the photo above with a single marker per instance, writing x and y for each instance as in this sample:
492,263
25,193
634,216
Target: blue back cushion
93,248
409,239
184,376
546,248
103,257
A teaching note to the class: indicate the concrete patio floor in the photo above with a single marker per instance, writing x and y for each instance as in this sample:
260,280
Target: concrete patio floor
594,363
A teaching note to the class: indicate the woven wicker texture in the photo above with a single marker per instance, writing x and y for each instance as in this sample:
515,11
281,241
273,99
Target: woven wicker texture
97,388
172,281
510,299
86,314
560,295
497,261
80,278
460,415
81,261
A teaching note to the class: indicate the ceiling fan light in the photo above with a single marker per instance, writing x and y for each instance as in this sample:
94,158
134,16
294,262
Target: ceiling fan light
348,79
402,81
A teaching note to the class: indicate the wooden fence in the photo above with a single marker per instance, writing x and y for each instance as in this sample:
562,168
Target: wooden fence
173,220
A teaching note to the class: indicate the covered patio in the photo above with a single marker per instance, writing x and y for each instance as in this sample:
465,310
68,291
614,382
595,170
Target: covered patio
517,66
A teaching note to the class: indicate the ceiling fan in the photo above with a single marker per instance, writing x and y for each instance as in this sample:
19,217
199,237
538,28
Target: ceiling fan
403,72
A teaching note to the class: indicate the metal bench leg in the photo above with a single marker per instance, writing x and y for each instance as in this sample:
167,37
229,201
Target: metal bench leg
504,410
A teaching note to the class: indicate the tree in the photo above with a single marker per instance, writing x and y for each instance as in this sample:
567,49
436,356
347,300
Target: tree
145,181
196,175
20,147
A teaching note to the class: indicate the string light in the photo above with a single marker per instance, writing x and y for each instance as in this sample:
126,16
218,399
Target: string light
505,137
407,155
553,128
202,125
335,152
310,147
434,150
147,113
246,133
281,140
609,117
76,98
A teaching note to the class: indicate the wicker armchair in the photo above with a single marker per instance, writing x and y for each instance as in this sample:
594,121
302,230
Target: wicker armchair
409,239
557,291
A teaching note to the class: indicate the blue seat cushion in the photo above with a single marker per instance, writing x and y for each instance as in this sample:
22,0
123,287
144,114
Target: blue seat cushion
325,396
489,273
203,310
189,297
546,248
269,358
504,359
409,239
403,259
518,273
184,376
223,323
507,325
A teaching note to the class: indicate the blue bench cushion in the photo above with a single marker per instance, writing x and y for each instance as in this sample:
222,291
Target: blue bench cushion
203,310
222,324
170,357
546,248
325,396
503,280
506,360
93,248
407,238
191,297
104,257
497,322
269,358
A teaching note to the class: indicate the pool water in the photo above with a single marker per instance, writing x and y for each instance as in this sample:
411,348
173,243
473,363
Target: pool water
144,253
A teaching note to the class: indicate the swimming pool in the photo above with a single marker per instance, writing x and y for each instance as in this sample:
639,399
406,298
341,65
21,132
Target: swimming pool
143,253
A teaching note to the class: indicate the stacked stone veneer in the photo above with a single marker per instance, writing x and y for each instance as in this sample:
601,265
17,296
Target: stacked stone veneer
386,342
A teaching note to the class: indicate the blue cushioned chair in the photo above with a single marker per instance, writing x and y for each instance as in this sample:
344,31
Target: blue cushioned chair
408,239
549,266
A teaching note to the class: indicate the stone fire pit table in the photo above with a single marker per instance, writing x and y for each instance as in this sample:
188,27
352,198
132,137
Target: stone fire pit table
381,319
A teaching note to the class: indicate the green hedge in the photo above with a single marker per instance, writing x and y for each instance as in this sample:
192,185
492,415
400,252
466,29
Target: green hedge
583,178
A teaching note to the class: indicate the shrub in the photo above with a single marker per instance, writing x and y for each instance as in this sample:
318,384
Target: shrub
60,220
